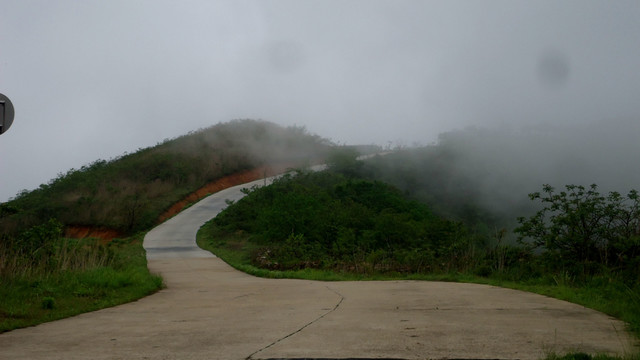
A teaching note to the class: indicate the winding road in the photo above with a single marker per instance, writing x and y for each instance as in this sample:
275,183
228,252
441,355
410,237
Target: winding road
211,311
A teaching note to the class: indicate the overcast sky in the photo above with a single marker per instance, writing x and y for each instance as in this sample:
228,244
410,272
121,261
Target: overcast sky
94,79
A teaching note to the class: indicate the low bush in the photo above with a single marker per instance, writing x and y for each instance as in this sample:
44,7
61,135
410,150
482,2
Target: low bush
329,221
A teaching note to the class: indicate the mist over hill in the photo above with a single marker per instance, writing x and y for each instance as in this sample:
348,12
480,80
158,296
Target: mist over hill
128,193
494,169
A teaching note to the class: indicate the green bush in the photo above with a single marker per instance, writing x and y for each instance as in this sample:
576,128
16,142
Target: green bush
583,232
329,220
48,303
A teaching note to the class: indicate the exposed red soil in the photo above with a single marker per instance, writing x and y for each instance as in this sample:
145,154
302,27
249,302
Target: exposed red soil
221,184
80,232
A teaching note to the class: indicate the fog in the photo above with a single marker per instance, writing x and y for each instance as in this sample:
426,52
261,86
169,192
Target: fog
94,79
503,165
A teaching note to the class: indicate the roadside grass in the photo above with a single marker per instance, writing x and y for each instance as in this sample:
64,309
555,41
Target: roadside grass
236,253
603,294
95,276
583,356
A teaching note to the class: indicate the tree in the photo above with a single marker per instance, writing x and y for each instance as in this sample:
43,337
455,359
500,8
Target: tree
344,160
580,225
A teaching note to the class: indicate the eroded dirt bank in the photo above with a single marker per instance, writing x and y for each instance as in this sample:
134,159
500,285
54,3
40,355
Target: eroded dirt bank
105,234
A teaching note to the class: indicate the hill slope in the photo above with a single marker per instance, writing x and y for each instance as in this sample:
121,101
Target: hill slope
129,193
330,221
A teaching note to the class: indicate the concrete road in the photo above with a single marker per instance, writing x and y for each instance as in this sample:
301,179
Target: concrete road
210,311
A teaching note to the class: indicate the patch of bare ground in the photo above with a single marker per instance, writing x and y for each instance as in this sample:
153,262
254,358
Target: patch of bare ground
106,235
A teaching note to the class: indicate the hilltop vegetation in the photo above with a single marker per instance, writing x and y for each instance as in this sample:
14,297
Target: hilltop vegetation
129,193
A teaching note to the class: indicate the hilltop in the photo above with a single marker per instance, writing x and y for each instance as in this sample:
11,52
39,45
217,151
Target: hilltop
130,193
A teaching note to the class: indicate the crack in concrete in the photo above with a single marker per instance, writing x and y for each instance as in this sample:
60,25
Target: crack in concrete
250,357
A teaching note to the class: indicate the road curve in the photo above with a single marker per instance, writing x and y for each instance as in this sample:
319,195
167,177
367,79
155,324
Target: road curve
211,311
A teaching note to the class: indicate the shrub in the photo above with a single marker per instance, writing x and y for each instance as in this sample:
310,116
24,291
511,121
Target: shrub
583,230
48,303
328,220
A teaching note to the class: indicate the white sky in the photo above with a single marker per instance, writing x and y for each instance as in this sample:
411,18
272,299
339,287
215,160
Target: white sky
94,79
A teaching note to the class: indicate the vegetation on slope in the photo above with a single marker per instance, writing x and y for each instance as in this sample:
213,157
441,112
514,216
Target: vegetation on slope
129,193
45,277
325,220
331,221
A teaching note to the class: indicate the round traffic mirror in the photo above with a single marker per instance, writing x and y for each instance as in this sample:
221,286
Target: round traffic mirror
6,113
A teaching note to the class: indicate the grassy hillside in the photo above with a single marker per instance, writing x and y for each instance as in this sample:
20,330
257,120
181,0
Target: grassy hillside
129,193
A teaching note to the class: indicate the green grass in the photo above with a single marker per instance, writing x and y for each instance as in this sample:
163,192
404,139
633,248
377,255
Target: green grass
34,298
583,356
